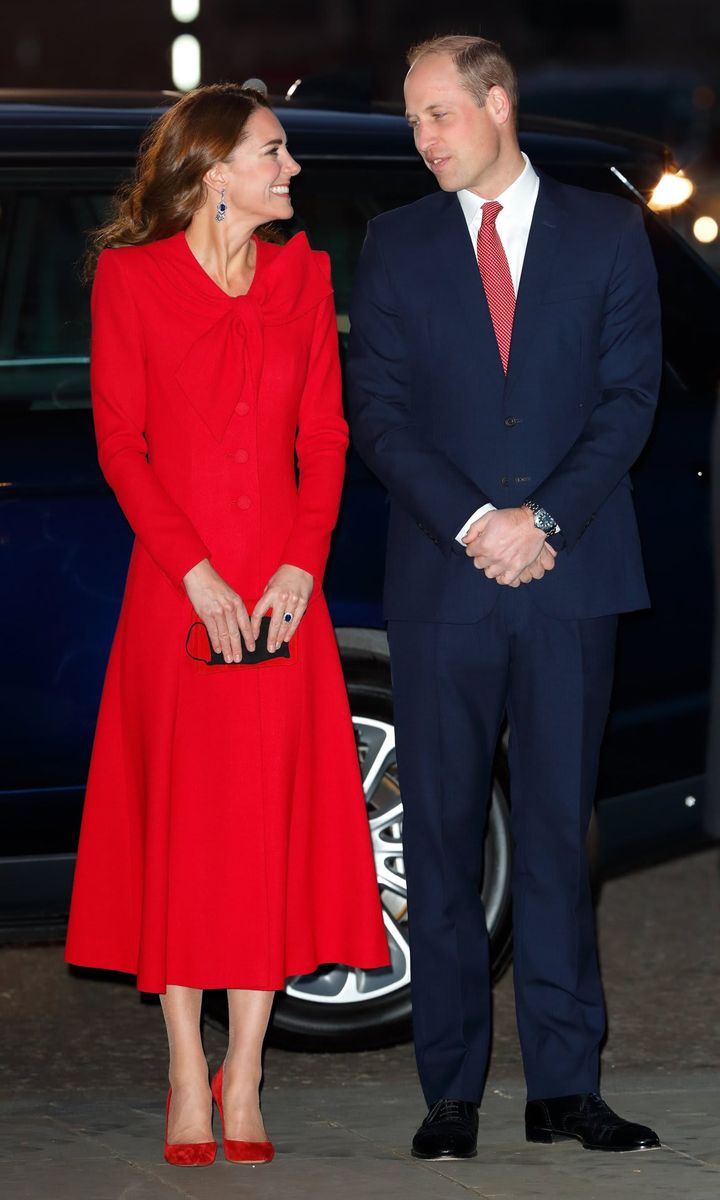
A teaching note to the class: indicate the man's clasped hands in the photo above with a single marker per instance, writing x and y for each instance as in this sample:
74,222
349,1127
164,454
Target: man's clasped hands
507,546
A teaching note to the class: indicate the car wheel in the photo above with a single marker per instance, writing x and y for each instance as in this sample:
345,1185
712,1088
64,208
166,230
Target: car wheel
346,1008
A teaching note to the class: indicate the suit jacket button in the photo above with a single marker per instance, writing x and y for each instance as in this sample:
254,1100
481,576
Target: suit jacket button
241,456
244,502
511,422
504,481
242,408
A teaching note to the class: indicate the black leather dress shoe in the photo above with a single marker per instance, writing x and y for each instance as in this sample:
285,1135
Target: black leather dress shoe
448,1131
587,1118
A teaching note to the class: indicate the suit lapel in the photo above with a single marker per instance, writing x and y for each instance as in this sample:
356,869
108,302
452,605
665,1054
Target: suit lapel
447,246
542,247
455,267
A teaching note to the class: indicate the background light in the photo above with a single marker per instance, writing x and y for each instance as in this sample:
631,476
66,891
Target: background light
186,62
705,229
185,10
674,188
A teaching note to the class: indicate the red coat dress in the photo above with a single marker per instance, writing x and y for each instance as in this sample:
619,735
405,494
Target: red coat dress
224,840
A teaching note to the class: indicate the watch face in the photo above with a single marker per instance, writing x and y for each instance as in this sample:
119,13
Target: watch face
544,521
541,519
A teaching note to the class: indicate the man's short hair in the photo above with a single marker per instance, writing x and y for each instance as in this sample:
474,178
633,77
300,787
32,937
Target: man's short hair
481,64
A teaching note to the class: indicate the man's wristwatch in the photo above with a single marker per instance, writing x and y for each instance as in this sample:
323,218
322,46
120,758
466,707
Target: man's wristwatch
542,519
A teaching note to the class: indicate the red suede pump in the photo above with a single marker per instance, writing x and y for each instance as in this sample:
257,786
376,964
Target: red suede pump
187,1154
234,1150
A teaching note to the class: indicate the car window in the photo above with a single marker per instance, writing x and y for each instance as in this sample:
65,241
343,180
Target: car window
44,312
333,205
690,295
44,306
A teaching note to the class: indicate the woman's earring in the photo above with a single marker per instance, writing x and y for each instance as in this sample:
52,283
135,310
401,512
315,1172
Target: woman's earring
221,207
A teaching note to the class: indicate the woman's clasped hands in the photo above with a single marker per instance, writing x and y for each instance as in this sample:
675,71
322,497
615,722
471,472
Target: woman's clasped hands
224,615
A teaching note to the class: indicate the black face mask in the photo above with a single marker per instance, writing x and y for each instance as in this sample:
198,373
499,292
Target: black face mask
249,658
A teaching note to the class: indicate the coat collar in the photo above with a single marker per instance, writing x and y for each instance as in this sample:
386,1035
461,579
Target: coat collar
543,242
223,366
453,260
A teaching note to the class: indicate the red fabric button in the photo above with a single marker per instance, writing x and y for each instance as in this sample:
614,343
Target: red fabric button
244,502
242,408
241,456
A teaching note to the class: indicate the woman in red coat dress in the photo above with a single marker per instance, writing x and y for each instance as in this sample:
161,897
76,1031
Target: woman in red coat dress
224,841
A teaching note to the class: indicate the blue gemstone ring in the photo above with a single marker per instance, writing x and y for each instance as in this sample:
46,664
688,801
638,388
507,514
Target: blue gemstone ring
288,618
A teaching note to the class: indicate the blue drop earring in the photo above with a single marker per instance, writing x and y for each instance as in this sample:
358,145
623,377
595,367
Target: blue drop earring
221,207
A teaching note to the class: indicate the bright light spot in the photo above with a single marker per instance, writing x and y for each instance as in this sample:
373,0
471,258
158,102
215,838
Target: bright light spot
293,88
700,474
185,10
186,62
690,801
705,229
674,188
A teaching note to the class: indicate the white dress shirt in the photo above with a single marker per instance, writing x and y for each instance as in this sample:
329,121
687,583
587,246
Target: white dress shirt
513,227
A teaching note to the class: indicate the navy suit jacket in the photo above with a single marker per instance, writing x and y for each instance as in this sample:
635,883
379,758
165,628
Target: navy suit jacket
434,416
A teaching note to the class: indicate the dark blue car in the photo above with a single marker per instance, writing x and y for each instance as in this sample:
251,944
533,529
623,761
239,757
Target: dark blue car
64,543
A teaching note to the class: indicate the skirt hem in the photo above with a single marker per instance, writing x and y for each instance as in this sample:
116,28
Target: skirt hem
277,985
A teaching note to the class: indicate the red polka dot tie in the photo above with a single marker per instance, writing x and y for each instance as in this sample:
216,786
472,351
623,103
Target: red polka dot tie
496,278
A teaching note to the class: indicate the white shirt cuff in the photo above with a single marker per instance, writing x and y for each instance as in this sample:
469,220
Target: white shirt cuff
486,508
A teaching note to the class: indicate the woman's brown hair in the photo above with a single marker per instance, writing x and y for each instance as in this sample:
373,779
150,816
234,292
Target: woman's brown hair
202,128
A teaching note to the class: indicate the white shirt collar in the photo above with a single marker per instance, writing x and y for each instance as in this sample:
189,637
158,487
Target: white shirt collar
518,200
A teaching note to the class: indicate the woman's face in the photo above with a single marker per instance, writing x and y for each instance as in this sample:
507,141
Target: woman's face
258,173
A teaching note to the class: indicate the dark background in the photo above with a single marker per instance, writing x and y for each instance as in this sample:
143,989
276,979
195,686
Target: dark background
106,44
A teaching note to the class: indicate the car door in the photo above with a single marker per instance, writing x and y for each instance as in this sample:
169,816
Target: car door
63,541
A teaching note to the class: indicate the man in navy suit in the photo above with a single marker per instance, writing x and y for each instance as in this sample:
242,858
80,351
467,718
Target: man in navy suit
503,374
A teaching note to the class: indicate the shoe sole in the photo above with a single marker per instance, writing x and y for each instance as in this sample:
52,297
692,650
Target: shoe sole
443,1157
249,1162
547,1136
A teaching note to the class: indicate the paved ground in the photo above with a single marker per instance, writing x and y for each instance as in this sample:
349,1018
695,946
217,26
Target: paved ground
83,1067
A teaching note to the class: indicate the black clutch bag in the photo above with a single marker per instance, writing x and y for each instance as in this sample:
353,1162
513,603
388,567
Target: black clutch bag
199,640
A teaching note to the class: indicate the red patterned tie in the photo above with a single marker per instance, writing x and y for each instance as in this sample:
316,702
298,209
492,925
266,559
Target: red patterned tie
496,278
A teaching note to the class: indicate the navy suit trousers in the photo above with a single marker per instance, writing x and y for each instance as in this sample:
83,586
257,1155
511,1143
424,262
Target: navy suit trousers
452,685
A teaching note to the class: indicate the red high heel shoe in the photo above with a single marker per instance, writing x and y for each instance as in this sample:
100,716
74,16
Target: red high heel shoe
187,1154
235,1151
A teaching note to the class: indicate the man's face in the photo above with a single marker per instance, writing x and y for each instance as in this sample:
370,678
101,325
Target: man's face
458,140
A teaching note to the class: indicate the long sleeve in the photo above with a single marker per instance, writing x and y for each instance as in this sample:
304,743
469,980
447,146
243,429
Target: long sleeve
416,474
629,377
321,446
119,386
